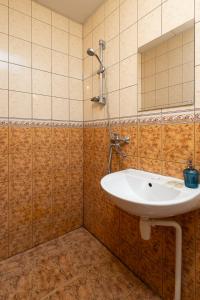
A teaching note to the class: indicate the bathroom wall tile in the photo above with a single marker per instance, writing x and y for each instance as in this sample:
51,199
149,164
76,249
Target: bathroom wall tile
19,78
128,101
197,44
75,89
4,104
149,27
4,139
23,6
113,78
173,169
88,88
98,16
42,138
19,25
113,99
4,19
60,86
88,26
197,141
128,46
42,231
3,75
59,40
144,7
20,165
149,137
98,34
60,109
128,72
75,28
41,207
87,43
20,139
4,2
4,168
112,52
87,66
110,6
129,162
169,8
75,68
20,105
150,165
41,107
3,47
41,82
178,140
87,110
112,25
128,14
41,58
41,33
76,110
60,21
41,13
132,132
59,63
20,240
19,52
75,46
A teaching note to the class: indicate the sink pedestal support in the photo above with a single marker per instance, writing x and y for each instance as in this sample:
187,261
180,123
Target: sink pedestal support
145,230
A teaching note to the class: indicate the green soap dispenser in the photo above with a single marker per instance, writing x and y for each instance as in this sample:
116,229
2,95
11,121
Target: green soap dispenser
191,176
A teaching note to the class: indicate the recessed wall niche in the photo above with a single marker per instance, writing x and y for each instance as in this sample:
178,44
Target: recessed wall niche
167,73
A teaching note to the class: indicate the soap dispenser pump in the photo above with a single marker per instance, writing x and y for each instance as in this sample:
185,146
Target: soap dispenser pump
191,176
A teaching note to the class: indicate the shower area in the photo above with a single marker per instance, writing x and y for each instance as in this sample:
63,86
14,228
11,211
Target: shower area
69,114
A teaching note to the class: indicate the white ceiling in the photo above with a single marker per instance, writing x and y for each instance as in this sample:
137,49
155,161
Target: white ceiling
77,10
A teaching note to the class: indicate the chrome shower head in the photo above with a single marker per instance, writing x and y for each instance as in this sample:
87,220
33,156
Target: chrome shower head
91,52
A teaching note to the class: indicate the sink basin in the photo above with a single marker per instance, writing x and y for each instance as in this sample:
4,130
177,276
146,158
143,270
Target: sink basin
150,195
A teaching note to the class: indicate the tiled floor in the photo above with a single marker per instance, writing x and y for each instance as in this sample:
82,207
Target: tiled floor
73,267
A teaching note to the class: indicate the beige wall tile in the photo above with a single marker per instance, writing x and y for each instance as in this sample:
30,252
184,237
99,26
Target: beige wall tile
175,76
3,75
41,107
162,63
98,111
75,28
4,2
88,116
176,93
162,79
87,43
88,91
149,27
41,82
112,82
146,6
98,16
41,33
19,78
88,26
4,104
60,86
188,72
110,6
59,40
197,43
128,101
197,87
112,25
188,91
113,102
21,5
188,52
75,67
3,47
128,14
75,89
20,105
19,52
176,13
162,97
112,52
75,46
60,109
3,19
59,63
41,13
128,71
128,42
87,67
197,10
60,21
98,34
41,58
76,110
19,25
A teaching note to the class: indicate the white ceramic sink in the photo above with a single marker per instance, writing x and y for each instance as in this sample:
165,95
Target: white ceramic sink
150,195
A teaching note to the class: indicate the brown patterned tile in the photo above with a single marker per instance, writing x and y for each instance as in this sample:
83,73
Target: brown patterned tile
129,228
173,169
132,132
20,139
178,142
3,167
3,209
129,162
42,207
20,240
20,165
149,137
61,160
42,230
150,165
4,242
42,185
42,139
42,162
4,140
60,139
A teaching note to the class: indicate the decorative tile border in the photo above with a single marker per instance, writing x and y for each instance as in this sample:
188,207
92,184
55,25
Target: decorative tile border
38,123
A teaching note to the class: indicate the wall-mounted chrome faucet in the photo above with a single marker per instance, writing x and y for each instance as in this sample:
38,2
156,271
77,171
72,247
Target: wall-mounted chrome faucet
101,72
116,141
